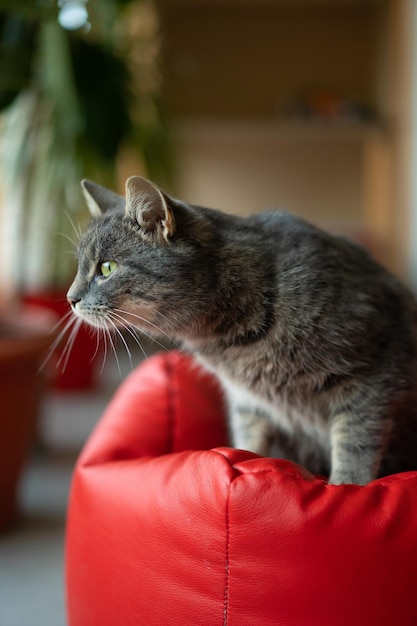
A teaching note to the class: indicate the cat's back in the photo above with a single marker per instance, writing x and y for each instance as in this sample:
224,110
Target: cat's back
292,234
294,240
309,253
331,292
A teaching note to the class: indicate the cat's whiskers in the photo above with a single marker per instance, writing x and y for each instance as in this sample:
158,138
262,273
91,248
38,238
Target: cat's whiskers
70,239
106,325
77,231
64,357
120,335
107,319
151,337
103,331
67,321
143,319
133,332
97,334
64,318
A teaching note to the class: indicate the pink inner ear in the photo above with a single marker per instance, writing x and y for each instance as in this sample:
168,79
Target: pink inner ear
168,223
146,204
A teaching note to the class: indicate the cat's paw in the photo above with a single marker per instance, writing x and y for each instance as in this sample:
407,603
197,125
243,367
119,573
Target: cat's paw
356,476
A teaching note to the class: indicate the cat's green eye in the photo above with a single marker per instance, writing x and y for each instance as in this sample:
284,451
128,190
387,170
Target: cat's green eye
107,268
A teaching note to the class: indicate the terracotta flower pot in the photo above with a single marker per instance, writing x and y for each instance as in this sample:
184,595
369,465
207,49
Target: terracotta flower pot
22,345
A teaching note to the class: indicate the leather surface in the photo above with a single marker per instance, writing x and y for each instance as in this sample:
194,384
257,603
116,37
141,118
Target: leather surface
167,526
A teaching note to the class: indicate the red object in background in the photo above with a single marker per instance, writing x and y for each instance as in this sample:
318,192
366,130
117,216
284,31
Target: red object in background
23,341
164,530
79,371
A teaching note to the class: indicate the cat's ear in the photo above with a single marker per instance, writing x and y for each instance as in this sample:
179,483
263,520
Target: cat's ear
147,204
100,199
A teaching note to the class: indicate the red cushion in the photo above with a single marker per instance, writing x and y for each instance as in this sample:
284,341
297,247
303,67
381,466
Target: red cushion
164,531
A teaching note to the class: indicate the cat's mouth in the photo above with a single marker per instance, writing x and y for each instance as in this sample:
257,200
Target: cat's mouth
98,319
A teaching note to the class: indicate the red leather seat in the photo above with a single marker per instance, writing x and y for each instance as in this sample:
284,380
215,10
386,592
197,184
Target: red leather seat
165,530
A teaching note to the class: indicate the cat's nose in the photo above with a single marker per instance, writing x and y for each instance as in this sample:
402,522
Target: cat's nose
72,300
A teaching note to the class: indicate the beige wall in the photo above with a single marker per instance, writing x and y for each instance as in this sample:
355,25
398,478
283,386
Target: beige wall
231,69
247,167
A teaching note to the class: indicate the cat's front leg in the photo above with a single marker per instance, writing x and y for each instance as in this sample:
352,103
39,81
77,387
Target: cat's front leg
357,446
250,425
251,429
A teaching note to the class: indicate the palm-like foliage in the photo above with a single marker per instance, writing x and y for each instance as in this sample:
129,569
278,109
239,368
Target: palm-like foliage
69,105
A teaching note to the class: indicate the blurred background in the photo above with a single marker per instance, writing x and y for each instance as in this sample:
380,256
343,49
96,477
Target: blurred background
243,105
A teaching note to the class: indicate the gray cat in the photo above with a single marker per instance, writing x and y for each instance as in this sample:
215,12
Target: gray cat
314,343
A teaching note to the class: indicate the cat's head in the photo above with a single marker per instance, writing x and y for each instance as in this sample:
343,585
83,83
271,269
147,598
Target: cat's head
143,260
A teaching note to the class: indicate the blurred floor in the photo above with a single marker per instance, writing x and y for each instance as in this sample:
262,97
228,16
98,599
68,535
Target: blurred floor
31,552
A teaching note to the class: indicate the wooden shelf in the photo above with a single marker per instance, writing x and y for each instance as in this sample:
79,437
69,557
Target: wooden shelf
261,131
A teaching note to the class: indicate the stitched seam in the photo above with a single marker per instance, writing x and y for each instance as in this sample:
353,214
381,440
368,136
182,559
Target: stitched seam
226,596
